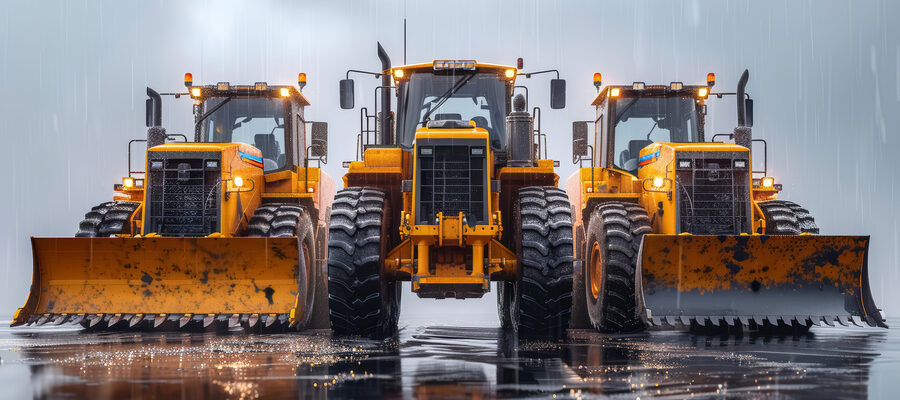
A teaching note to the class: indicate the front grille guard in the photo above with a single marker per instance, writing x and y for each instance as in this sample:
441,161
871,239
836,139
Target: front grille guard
712,197
184,201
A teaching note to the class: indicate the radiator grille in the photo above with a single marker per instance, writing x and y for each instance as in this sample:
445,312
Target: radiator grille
184,197
713,197
452,179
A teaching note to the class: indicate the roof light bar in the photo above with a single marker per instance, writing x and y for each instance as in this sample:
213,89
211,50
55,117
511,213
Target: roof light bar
454,64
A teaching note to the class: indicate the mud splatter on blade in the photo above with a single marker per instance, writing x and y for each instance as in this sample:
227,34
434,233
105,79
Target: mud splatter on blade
770,280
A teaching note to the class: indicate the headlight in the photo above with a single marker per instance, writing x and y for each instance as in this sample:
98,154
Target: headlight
128,183
767,182
238,181
658,182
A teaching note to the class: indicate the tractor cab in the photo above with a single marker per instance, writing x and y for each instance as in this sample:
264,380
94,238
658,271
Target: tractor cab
267,117
637,115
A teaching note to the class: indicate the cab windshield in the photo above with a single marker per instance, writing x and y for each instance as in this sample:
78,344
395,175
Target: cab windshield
641,121
257,121
462,95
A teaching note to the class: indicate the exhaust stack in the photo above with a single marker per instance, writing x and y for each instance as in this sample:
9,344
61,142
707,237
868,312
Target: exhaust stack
385,117
743,135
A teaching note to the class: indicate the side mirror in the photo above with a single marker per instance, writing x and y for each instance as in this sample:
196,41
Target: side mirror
347,94
557,93
318,146
579,139
748,109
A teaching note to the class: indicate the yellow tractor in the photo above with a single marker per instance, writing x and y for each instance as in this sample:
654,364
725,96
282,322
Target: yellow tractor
675,229
450,193
227,230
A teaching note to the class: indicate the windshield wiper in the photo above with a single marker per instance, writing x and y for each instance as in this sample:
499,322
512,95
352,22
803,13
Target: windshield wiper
207,114
445,96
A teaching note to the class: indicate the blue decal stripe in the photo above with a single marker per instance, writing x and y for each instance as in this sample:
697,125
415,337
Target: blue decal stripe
648,156
250,156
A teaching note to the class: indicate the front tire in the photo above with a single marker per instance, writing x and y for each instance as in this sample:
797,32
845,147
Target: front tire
107,219
361,300
787,218
287,220
541,299
613,242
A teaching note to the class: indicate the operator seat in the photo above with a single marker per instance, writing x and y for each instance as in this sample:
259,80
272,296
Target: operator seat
267,144
628,158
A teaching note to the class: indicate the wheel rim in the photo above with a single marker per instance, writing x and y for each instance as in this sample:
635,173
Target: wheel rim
596,269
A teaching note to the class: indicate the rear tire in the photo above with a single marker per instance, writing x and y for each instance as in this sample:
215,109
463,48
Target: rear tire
787,218
107,219
504,291
613,242
361,300
287,220
541,300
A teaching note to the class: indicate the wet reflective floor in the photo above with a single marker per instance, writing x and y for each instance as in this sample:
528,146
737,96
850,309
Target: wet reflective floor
439,355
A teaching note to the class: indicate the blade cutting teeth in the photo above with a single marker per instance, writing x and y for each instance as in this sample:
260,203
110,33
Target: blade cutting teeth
95,319
842,320
270,319
234,321
745,321
253,320
159,319
114,320
77,319
135,319
59,319
210,318
43,320
184,320
857,320
828,320
685,321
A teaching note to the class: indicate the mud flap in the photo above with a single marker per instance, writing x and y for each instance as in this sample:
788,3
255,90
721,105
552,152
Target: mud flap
238,280
804,279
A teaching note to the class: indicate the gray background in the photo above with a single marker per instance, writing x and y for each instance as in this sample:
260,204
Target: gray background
825,76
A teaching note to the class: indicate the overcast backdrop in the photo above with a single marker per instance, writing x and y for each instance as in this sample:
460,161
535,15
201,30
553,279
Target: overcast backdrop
825,76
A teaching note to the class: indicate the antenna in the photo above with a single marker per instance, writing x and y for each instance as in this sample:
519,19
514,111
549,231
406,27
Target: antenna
404,41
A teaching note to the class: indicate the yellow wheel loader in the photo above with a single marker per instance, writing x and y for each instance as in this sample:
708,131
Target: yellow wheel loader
227,230
676,229
451,192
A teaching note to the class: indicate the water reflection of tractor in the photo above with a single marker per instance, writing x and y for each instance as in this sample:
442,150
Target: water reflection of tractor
228,229
452,192
673,228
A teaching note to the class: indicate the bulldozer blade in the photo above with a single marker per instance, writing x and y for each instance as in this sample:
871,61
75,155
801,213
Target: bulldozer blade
775,280
151,278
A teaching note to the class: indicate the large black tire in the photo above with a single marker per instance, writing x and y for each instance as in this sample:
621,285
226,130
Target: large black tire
504,292
541,299
107,219
361,301
787,218
613,242
288,220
